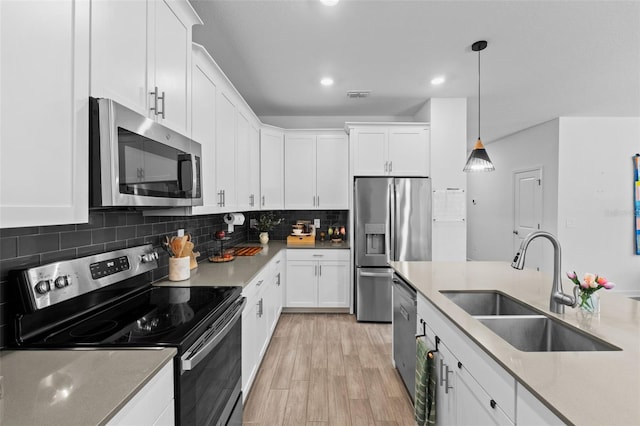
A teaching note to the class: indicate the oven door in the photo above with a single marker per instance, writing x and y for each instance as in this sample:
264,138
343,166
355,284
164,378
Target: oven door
209,388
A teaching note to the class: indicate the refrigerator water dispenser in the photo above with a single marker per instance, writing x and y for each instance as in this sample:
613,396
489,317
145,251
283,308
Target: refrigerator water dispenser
375,235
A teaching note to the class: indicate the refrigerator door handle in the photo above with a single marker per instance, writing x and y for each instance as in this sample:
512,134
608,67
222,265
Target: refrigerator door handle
376,274
392,224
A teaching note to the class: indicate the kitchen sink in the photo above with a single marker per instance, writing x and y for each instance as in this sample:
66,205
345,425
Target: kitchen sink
488,303
538,333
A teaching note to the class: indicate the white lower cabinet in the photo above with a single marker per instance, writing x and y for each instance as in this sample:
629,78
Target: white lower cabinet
317,278
471,388
259,318
152,405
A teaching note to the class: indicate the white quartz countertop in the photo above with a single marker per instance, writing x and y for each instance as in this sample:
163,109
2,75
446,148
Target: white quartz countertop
241,270
583,388
73,387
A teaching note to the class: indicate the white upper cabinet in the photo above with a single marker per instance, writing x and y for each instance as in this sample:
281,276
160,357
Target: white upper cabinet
271,169
225,152
389,149
247,164
44,113
203,127
316,171
141,57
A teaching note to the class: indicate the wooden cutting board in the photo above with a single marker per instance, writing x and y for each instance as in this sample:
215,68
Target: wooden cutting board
247,251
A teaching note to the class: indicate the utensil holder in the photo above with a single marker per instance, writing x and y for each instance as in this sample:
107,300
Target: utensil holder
179,268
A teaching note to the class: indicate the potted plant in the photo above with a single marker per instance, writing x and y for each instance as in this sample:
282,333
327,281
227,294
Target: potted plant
266,222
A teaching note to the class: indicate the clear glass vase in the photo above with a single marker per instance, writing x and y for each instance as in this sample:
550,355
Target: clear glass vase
589,302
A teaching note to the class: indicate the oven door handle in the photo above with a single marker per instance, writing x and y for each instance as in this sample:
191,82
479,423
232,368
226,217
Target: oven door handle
191,359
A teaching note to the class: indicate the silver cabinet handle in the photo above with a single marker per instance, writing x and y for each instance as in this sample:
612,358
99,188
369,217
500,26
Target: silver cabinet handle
318,200
260,307
163,97
154,108
278,279
251,200
390,166
224,197
314,201
320,267
318,255
263,200
315,270
441,375
259,283
386,166
220,202
446,379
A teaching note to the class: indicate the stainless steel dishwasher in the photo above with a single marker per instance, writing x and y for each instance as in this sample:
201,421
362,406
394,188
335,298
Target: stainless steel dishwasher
404,332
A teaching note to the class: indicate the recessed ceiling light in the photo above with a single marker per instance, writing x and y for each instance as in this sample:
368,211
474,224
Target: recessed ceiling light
437,80
326,81
329,2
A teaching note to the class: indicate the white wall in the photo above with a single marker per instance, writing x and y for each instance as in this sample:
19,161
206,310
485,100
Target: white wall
595,207
448,124
491,218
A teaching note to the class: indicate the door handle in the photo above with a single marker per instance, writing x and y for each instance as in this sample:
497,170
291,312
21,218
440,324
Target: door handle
446,379
263,200
163,97
154,108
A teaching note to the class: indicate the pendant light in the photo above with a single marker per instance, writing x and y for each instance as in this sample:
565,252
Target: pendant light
479,159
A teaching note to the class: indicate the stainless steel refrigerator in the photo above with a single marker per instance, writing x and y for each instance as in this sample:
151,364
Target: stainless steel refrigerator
392,220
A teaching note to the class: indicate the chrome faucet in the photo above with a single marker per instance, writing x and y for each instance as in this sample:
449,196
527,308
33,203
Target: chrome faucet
558,299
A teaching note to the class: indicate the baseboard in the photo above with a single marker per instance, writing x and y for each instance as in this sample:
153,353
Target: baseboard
315,310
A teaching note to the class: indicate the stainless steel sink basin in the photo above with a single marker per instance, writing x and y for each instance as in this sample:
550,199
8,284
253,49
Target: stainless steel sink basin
537,333
488,302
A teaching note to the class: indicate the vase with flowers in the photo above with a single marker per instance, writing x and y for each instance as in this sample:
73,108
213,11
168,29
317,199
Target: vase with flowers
589,300
266,222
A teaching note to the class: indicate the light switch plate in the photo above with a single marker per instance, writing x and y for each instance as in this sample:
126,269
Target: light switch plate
180,232
316,223
253,223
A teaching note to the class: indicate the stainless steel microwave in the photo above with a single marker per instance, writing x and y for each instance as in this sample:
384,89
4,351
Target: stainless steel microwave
137,162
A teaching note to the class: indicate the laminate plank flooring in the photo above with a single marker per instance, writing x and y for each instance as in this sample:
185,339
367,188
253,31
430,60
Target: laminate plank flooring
328,369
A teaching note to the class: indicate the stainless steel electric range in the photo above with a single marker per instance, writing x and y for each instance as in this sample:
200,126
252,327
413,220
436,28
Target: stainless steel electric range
106,300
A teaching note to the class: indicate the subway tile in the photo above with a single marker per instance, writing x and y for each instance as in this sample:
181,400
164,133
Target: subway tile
90,250
75,239
32,244
151,219
125,232
23,262
56,228
115,219
16,232
8,247
103,235
116,245
135,218
144,230
56,256
159,228
135,242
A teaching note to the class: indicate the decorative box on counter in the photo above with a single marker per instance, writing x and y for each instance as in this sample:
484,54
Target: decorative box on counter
296,240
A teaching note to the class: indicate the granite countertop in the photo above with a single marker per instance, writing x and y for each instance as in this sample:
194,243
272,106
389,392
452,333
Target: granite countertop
581,387
242,270
73,387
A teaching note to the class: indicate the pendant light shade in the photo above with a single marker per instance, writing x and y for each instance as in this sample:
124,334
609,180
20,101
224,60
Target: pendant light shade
479,160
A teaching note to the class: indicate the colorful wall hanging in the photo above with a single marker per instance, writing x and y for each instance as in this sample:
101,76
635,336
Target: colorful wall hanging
636,198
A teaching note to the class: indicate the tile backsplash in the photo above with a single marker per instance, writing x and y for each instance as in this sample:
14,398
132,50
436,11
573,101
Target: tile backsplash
109,230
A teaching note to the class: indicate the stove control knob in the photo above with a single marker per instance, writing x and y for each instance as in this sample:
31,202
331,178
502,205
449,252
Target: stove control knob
62,281
43,287
149,257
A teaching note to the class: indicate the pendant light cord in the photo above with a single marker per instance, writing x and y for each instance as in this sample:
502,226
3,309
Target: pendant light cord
478,94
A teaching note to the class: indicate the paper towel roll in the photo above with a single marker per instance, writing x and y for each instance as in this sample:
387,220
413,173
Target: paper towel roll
232,219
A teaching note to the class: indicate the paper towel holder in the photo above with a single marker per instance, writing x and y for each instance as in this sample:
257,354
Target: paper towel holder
232,219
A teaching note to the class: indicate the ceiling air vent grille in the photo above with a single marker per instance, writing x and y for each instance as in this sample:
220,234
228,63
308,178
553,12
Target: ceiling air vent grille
358,93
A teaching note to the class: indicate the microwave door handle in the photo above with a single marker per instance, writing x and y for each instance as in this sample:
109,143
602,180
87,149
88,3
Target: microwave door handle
190,359
194,176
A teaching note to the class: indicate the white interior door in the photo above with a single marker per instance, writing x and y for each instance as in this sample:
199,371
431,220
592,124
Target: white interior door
527,209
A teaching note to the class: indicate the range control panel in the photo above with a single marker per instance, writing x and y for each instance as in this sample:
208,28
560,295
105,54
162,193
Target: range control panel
47,285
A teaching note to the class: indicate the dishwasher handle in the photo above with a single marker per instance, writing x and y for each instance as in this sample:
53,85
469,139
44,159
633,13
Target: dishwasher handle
408,291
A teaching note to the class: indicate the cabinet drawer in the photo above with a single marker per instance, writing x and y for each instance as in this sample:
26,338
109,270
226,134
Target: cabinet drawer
252,290
318,254
492,377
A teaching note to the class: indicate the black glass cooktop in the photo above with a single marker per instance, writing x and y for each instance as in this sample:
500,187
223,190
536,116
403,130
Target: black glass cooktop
160,316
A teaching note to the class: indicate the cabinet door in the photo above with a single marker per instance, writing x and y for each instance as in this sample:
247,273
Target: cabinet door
225,152
280,284
332,179
271,170
333,284
203,131
301,284
408,152
473,404
44,110
243,165
170,52
299,172
119,52
249,344
253,158
445,388
369,151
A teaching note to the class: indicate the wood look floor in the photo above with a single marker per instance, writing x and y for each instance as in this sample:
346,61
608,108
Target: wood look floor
328,369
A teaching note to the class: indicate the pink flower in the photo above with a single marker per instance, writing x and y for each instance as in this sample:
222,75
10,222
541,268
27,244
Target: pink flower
608,285
601,280
589,281
571,275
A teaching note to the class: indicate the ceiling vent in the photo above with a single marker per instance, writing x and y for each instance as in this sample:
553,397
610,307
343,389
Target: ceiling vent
358,93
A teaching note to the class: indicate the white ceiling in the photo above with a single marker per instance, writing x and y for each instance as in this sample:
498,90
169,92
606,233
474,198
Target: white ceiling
545,59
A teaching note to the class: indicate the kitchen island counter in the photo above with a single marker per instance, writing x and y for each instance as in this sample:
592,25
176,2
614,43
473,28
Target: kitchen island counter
73,387
580,387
